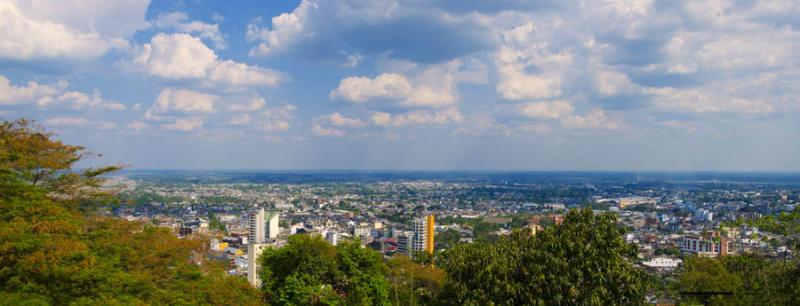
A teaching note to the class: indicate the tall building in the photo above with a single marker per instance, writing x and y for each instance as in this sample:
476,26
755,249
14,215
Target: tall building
405,240
253,251
429,232
263,226
422,235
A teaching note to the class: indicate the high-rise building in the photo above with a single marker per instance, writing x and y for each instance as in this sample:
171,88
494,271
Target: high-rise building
263,226
429,232
253,251
420,235
405,240
423,234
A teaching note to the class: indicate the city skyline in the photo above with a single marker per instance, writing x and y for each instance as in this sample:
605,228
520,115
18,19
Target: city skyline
403,85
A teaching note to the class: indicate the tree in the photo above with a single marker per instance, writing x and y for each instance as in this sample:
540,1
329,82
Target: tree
751,278
31,155
55,250
310,271
411,283
583,261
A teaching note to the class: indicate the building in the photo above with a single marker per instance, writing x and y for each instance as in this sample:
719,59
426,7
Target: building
704,246
630,201
263,226
662,263
429,233
405,240
332,237
253,251
422,235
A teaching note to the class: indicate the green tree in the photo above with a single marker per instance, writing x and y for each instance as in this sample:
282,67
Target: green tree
583,261
310,271
55,250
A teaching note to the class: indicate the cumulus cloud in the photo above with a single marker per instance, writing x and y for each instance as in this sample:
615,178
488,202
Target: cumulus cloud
181,56
362,89
418,117
136,127
46,95
333,124
546,110
595,119
180,101
241,119
32,92
178,21
276,118
429,86
184,124
407,29
78,122
67,29
255,104
94,101
320,130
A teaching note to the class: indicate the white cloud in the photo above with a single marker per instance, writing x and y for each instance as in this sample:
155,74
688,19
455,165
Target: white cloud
320,130
612,83
45,95
595,119
183,101
241,119
67,29
418,117
185,124
429,86
337,119
701,101
78,122
255,104
82,101
33,92
361,89
178,21
181,56
136,127
287,29
276,119
546,110
331,125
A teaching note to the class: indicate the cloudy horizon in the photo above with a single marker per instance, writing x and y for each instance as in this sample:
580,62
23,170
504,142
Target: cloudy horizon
623,85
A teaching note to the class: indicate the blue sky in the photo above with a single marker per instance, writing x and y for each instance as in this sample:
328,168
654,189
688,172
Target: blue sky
411,85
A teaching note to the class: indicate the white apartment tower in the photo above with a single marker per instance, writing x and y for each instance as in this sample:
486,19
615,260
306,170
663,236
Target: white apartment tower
420,240
263,226
253,251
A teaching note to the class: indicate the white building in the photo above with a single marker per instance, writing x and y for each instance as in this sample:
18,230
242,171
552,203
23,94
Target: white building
263,226
405,240
332,237
705,246
662,263
253,251
420,226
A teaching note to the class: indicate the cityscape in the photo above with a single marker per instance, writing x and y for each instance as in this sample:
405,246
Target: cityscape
400,152
668,215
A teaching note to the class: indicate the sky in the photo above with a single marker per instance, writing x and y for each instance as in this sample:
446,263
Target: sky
624,85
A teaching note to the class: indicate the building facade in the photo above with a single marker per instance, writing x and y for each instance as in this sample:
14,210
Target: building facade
263,226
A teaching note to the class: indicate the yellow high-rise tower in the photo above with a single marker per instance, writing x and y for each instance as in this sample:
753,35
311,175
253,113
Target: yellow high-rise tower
429,233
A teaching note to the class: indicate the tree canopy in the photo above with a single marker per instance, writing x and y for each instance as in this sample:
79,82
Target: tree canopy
53,250
583,261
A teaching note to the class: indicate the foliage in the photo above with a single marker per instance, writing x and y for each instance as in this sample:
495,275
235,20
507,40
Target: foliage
54,252
412,283
310,271
753,280
582,261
